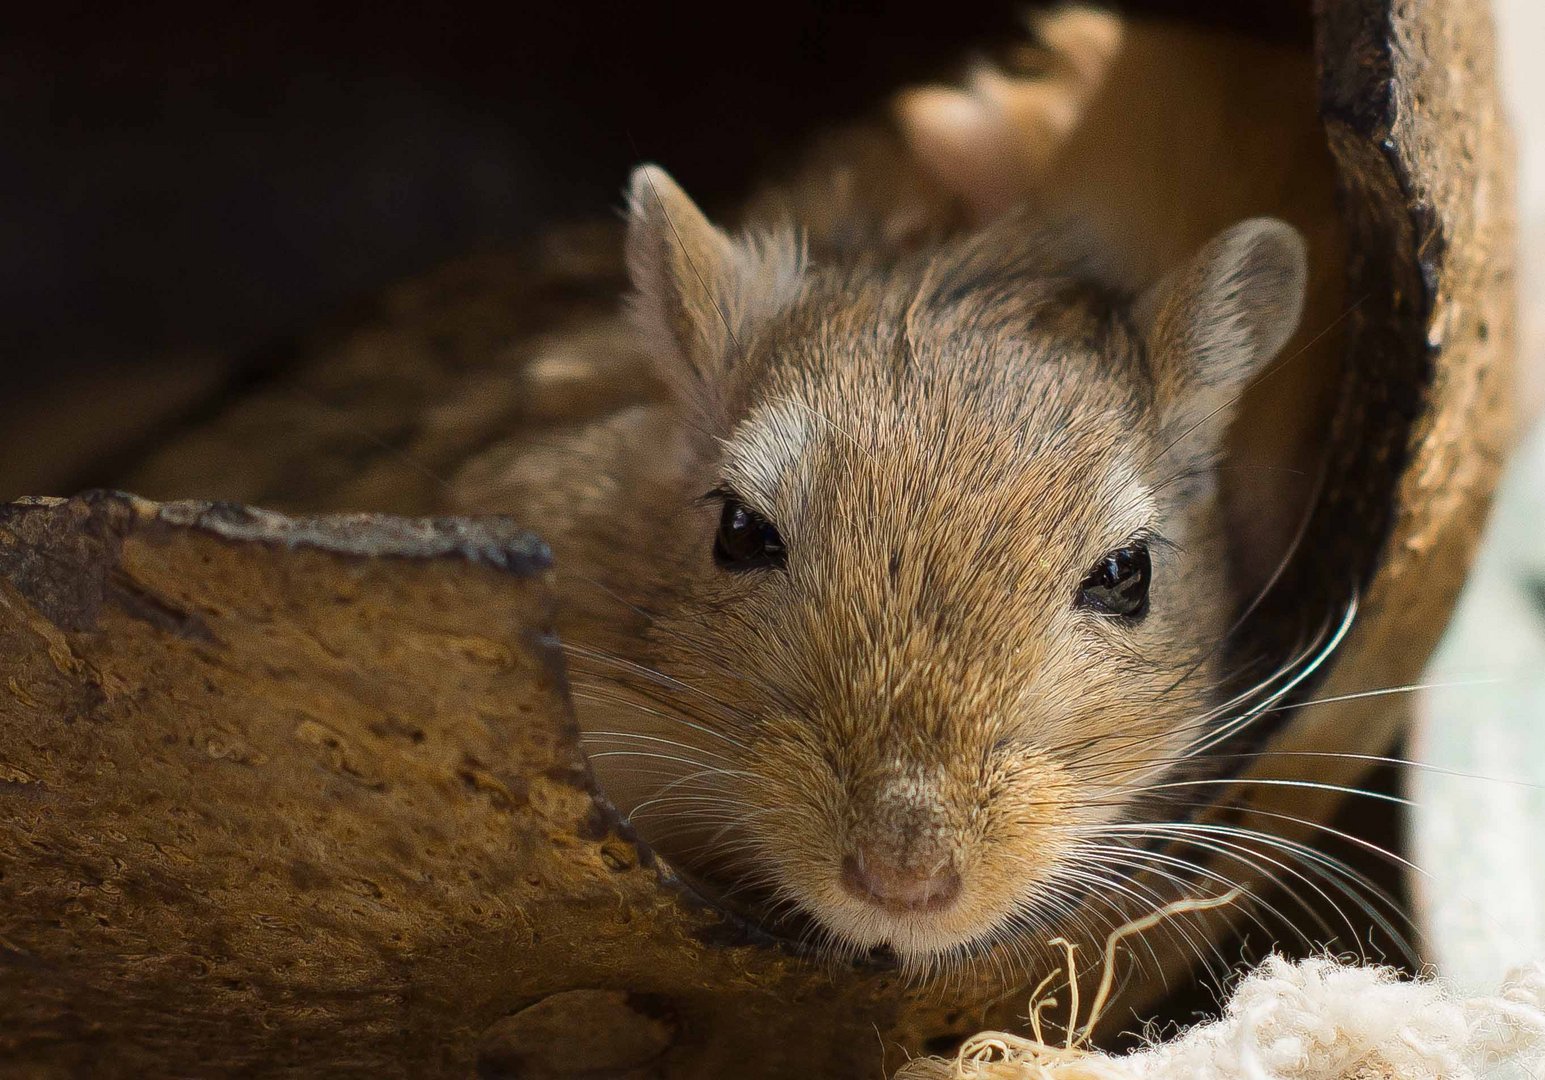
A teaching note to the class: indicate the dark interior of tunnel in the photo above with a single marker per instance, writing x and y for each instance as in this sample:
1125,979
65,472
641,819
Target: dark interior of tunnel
184,183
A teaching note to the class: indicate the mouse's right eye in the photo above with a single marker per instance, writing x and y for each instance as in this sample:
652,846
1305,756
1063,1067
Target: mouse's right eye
746,540
1118,583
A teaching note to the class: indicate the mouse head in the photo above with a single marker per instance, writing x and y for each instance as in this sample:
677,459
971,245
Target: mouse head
945,561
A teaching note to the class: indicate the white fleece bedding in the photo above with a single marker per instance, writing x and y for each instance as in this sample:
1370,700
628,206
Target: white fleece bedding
1311,1020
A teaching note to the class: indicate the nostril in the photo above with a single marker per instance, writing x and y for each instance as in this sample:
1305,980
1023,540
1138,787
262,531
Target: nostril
900,887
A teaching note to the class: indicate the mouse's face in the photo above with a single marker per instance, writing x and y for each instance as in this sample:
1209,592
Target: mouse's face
954,597
963,607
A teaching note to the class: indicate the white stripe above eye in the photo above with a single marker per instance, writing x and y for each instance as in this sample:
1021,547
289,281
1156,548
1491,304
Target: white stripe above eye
1132,501
764,451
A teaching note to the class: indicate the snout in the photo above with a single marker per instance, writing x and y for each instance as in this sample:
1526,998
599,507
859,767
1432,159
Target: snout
900,885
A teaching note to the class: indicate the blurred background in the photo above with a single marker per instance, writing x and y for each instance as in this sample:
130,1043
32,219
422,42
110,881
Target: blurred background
184,184
1473,832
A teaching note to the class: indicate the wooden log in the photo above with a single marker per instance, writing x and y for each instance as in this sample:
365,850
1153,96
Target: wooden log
304,795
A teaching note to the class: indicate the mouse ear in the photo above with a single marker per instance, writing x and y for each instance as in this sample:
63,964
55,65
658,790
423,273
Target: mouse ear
1213,324
697,293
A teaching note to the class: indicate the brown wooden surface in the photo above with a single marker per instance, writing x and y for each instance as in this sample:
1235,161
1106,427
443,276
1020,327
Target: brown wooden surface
289,795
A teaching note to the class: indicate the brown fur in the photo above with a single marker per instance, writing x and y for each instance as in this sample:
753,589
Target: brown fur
1161,134
948,433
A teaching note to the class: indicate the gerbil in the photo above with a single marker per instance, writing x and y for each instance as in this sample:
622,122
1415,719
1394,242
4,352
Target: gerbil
915,577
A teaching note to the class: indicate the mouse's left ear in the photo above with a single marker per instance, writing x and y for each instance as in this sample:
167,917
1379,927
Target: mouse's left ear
1213,324
698,293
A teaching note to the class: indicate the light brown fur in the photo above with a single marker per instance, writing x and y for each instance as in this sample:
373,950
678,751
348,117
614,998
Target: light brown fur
1160,134
948,433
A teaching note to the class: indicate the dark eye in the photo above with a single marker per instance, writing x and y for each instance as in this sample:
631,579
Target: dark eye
746,540
1118,584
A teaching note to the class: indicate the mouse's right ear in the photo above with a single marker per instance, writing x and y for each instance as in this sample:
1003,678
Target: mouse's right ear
1212,326
697,293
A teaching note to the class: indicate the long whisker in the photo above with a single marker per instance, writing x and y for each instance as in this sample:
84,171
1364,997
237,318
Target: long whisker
1381,759
1305,671
585,694
1196,832
613,736
1312,785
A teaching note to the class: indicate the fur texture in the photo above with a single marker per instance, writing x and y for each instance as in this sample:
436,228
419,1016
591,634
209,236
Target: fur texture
948,434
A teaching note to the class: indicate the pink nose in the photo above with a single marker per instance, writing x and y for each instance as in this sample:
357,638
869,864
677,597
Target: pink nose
900,888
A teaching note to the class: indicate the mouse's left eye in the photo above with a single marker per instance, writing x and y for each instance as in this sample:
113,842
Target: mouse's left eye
746,540
1118,584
